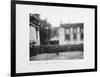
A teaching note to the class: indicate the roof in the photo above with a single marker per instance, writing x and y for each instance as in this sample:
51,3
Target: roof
72,25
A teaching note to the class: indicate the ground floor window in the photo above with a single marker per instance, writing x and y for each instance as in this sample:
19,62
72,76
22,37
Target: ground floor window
67,37
74,36
82,36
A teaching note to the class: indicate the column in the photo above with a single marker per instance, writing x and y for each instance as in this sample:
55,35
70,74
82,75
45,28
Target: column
61,36
71,35
78,35
38,37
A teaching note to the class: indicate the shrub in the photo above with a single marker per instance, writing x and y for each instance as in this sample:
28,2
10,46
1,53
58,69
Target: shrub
54,49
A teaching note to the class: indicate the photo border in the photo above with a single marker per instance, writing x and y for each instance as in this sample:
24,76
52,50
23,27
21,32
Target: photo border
13,37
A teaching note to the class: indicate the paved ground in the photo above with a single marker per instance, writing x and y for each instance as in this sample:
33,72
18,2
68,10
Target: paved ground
61,56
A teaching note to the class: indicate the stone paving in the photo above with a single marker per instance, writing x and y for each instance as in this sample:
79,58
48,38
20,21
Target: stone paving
62,56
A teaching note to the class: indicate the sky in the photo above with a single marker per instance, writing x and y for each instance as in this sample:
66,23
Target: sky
56,15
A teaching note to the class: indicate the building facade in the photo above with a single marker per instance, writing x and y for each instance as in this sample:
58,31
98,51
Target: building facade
72,33
34,29
39,30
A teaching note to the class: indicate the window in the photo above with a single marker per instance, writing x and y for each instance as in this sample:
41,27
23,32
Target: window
82,36
67,37
74,30
78,29
81,30
74,33
74,36
67,34
67,31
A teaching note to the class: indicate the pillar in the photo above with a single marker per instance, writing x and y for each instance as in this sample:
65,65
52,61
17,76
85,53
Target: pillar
78,35
71,35
38,38
61,36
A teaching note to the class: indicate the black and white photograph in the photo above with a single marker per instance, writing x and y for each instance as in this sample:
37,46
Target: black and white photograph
50,38
56,39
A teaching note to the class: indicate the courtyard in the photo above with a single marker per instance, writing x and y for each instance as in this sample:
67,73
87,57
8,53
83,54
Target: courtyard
62,56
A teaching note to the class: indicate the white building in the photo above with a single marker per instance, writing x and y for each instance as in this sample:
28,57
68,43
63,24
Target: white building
71,33
34,34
